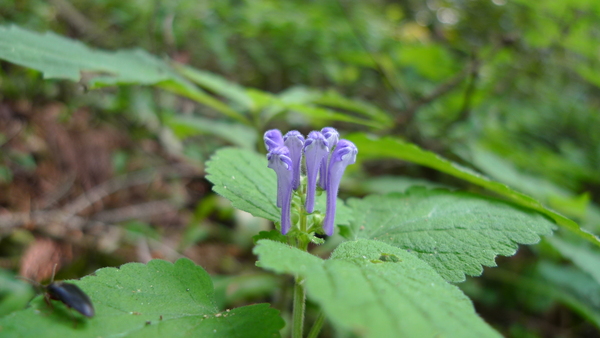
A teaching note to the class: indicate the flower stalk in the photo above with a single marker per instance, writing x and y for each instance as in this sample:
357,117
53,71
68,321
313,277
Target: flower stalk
326,157
299,308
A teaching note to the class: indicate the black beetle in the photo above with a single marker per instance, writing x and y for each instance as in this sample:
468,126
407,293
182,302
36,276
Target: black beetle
70,294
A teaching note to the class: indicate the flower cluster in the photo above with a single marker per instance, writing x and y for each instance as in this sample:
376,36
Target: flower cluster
325,157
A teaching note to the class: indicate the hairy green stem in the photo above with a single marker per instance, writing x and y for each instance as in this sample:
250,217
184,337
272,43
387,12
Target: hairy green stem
299,305
299,292
316,328
303,223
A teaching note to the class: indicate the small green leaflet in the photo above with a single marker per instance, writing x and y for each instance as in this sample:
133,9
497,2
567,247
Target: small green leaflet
243,177
323,115
14,294
306,101
570,286
585,257
236,133
155,300
273,235
374,298
455,232
391,147
332,98
218,85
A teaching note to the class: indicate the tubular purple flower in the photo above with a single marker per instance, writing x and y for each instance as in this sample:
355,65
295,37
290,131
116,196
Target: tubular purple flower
343,155
316,149
273,139
332,136
294,141
280,161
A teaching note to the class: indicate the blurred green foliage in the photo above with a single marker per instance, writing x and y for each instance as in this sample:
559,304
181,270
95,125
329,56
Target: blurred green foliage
511,88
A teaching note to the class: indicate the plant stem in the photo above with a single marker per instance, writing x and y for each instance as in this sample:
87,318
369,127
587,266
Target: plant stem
302,223
299,305
316,328
299,292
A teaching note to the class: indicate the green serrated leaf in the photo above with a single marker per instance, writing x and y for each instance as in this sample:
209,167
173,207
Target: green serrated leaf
378,299
58,57
395,148
455,232
154,300
62,58
243,177
387,184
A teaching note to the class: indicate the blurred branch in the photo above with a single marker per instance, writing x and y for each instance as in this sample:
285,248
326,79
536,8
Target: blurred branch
378,67
468,97
470,71
465,109
138,211
8,139
59,221
122,182
39,218
406,116
55,196
76,19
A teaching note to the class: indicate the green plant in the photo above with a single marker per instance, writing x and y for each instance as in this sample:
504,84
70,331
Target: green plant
391,268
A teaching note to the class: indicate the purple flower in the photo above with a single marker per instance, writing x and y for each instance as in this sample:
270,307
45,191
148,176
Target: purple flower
343,155
280,161
316,149
295,142
326,160
332,137
273,139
